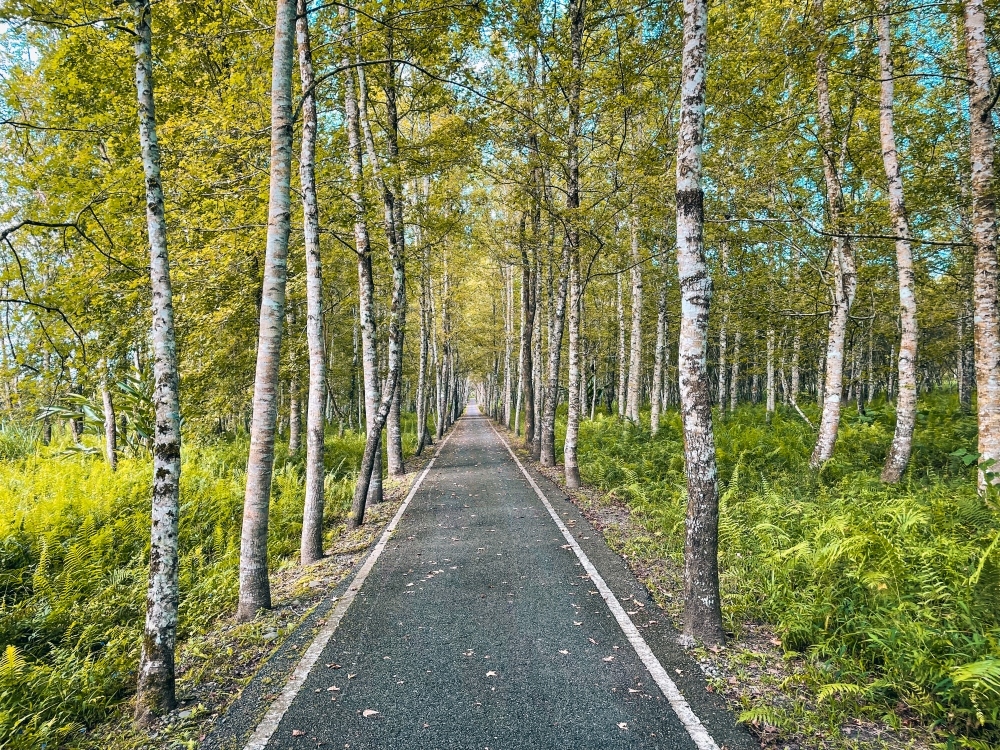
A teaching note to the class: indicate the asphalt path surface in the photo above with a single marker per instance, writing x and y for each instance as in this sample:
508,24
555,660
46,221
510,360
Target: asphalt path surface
478,628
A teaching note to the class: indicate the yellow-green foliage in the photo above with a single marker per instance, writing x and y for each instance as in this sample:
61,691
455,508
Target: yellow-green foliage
74,541
892,593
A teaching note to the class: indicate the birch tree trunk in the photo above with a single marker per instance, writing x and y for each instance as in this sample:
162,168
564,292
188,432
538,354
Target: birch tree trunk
394,432
548,438
110,426
723,329
366,284
577,12
621,385
656,398
635,341
770,374
312,516
844,272
392,222
422,431
294,410
439,371
508,345
528,304
906,406
986,325
255,589
734,378
702,605
155,690
536,388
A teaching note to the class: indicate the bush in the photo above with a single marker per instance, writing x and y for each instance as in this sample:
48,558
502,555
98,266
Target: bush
74,548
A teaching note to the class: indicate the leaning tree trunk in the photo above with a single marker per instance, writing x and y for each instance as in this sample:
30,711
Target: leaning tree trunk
155,690
906,404
366,283
702,607
255,589
572,469
986,326
635,342
548,438
658,357
844,272
312,516
392,222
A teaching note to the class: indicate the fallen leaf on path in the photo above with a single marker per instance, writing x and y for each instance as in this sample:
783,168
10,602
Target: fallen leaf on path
623,725
369,712
298,733
352,676
332,688
592,641
491,674
577,623
608,658
331,665
563,651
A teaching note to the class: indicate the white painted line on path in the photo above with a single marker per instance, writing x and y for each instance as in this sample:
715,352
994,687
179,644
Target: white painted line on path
702,739
269,724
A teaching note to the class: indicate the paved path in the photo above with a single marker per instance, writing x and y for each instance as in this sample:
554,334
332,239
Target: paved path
479,628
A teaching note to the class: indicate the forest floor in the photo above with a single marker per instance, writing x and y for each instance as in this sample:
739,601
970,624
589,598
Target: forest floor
752,671
215,667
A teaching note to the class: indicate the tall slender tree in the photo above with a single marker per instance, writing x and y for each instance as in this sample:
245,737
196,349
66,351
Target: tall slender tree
633,390
577,16
255,588
155,691
702,603
986,326
312,517
906,403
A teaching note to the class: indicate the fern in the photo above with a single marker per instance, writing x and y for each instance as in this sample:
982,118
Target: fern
12,664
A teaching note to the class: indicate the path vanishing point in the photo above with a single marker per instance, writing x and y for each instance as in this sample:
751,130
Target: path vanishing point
490,616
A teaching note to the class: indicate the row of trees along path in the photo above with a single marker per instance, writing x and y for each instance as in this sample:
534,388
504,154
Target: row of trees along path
539,204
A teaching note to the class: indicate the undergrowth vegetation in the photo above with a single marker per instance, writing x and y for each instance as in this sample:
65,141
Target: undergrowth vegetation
892,594
74,545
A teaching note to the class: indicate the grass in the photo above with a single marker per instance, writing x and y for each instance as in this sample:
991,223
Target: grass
891,595
74,545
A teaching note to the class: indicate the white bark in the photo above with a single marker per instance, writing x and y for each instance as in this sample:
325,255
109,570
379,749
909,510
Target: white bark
622,385
986,325
635,342
556,320
110,426
312,516
770,373
702,604
844,271
577,13
255,589
906,405
734,378
155,690
656,398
